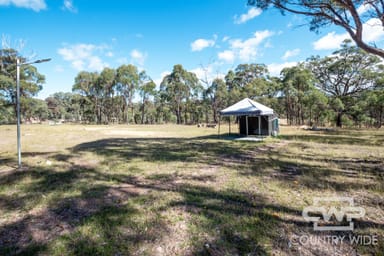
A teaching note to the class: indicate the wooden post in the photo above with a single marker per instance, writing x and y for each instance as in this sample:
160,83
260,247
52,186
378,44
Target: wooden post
259,125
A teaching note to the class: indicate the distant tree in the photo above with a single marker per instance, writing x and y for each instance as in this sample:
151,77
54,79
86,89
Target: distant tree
233,88
217,95
32,108
298,83
55,108
316,106
7,114
31,81
348,14
86,84
146,89
107,83
373,103
127,79
345,74
176,89
65,105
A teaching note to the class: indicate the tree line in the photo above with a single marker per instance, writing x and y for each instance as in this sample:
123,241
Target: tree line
345,88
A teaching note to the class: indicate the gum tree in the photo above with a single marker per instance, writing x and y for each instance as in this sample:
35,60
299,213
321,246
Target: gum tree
344,75
353,16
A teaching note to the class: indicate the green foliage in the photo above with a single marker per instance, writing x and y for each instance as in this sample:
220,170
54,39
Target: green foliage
349,15
344,87
31,82
177,89
345,75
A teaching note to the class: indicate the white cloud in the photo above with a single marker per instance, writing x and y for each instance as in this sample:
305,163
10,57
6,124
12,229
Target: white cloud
138,57
79,65
247,50
160,79
227,56
208,73
35,5
201,44
363,8
330,41
84,56
373,30
252,13
122,60
275,68
95,63
226,38
203,73
68,5
59,69
291,53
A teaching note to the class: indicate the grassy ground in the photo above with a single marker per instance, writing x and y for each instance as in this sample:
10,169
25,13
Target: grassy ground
180,190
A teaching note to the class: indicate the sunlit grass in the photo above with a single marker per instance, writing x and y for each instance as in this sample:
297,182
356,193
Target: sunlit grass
179,190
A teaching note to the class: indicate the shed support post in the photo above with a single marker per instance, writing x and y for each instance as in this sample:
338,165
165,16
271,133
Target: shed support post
246,126
229,118
259,125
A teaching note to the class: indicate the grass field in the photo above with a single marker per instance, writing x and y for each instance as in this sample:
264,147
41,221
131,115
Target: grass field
181,190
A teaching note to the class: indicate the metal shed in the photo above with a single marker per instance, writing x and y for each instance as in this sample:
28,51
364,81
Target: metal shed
253,118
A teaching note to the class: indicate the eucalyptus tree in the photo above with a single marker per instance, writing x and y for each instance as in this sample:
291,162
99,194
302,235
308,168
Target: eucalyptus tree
232,87
373,106
344,75
356,17
31,81
217,94
146,89
34,109
86,84
247,80
106,81
297,83
176,89
127,79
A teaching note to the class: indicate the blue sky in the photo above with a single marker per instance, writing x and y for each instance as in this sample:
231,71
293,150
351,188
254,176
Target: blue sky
208,37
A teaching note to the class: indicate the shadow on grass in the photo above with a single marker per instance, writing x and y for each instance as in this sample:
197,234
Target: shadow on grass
338,137
109,220
85,210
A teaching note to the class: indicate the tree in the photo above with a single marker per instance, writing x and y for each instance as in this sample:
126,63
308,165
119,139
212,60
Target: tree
32,108
344,75
127,78
350,15
86,84
106,81
373,103
297,86
217,95
176,89
31,80
147,88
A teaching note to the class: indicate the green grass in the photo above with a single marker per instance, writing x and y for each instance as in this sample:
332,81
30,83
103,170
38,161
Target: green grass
181,190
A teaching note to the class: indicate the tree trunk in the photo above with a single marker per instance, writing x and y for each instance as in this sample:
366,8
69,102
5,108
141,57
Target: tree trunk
142,112
339,119
380,121
178,114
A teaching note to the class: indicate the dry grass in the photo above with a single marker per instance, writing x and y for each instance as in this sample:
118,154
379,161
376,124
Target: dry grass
180,190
